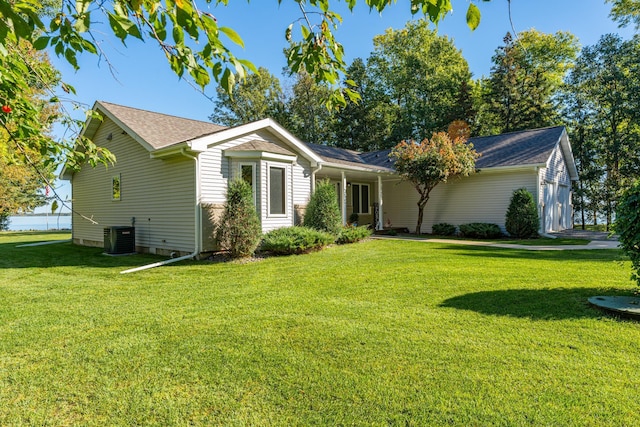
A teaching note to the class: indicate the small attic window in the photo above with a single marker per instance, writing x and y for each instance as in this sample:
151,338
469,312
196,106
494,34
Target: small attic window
115,187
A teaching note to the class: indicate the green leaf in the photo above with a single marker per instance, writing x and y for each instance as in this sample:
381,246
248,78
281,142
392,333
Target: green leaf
227,81
89,46
305,32
70,56
233,36
41,43
178,35
473,16
123,27
116,26
248,65
200,75
82,24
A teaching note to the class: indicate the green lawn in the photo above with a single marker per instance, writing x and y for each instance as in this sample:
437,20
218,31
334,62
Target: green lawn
541,241
378,333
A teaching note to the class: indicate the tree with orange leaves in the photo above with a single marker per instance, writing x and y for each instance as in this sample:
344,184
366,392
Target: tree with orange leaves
432,161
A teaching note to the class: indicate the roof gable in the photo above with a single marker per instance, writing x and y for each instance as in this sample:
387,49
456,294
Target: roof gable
269,125
153,130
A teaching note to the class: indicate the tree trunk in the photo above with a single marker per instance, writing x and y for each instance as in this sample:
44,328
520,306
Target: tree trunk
421,205
420,214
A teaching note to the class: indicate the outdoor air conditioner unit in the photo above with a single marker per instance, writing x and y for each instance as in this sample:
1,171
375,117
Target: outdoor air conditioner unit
119,240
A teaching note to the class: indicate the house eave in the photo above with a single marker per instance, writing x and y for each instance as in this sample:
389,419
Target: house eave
262,155
173,150
204,142
333,165
565,146
532,166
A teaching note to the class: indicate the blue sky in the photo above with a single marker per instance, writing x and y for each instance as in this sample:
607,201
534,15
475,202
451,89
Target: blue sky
144,80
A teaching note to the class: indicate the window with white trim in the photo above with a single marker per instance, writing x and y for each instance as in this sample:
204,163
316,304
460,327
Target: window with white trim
115,187
360,198
277,191
247,172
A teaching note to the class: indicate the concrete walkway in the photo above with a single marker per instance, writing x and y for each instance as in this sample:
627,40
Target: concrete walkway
593,244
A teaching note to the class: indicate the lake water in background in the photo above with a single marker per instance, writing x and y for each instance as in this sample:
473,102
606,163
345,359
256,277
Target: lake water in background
52,222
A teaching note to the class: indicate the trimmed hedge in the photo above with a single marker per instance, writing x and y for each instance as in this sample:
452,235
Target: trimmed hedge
353,234
323,212
443,229
239,230
295,240
521,220
480,230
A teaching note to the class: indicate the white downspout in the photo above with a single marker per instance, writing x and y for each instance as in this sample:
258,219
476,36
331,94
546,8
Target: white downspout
313,178
197,225
379,225
343,184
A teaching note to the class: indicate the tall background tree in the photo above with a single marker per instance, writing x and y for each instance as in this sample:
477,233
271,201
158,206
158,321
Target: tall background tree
258,96
606,81
309,119
423,75
626,12
366,124
522,91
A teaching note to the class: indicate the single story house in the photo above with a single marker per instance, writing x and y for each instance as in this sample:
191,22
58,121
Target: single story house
171,175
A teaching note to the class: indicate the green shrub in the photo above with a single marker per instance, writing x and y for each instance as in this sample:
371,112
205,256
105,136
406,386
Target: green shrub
480,230
295,240
443,229
627,225
239,230
353,234
522,215
323,212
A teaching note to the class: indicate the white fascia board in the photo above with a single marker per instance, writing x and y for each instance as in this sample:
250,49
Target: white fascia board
565,146
342,166
532,166
264,155
169,151
202,143
103,110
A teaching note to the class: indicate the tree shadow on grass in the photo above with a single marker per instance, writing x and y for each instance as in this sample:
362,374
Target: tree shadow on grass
535,304
594,255
65,254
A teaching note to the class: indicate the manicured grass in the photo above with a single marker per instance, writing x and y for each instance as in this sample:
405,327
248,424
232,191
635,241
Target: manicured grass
591,227
541,241
377,333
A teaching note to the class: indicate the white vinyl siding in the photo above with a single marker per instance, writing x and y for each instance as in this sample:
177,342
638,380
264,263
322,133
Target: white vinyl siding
217,169
555,195
159,194
482,197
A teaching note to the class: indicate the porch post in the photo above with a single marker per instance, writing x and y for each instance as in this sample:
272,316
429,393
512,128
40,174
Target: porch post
379,225
344,198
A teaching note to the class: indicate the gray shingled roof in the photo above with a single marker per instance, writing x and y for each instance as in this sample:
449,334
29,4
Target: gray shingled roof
521,148
350,157
267,147
529,147
160,130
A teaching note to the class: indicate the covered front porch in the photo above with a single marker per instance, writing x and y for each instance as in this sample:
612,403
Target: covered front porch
360,194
